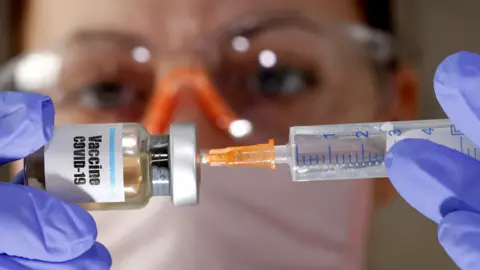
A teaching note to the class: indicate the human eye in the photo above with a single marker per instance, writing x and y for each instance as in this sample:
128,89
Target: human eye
104,77
275,62
110,94
280,79
271,74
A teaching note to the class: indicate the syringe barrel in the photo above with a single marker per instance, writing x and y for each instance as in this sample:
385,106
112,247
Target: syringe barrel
353,151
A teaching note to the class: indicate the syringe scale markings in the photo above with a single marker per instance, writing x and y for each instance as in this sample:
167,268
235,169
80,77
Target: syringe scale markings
353,142
363,152
330,153
311,161
296,153
454,131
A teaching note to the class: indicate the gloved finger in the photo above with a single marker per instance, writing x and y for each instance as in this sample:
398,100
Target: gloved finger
459,234
434,179
18,179
96,258
26,124
36,225
456,83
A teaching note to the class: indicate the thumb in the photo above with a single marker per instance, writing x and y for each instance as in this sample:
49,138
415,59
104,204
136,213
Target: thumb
38,226
459,234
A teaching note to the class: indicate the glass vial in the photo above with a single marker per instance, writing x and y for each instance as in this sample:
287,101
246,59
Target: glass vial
117,166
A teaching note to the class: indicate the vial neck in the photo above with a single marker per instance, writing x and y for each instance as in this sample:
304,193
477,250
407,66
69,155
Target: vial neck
160,165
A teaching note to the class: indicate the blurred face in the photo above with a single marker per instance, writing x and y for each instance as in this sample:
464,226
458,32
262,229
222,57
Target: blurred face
273,68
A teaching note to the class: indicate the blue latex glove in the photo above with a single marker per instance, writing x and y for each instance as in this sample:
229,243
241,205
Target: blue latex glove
441,183
39,231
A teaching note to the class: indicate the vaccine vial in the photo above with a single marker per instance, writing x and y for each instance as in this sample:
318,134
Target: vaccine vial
117,166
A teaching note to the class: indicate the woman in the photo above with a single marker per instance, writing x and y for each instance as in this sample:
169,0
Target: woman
275,64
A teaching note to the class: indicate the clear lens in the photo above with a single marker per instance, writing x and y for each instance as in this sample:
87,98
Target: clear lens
91,79
289,74
273,76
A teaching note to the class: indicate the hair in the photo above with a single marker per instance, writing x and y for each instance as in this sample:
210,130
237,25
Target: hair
14,22
377,14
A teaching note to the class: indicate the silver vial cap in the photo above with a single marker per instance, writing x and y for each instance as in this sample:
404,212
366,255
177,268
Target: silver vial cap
184,165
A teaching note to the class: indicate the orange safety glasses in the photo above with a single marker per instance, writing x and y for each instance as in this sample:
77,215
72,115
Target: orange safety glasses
165,99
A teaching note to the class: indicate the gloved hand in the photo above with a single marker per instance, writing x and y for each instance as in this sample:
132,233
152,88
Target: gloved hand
39,231
442,183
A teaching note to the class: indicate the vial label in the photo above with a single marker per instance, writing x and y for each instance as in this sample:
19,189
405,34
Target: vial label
84,163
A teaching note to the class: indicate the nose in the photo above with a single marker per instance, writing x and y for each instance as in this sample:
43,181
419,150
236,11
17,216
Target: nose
187,95
189,110
165,98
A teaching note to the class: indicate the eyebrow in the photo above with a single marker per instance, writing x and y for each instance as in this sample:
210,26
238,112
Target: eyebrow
254,25
128,40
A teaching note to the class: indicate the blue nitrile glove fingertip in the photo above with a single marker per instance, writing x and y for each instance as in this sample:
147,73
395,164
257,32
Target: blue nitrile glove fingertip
402,171
18,179
389,159
96,258
433,178
456,84
99,257
39,226
459,234
26,122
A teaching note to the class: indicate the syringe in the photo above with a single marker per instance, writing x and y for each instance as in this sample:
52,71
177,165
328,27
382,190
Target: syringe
349,151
